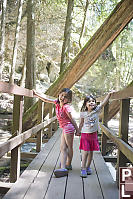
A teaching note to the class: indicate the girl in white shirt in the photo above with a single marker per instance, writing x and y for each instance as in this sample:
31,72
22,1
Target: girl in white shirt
89,118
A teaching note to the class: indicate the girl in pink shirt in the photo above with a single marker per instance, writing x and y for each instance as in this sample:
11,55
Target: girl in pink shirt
69,126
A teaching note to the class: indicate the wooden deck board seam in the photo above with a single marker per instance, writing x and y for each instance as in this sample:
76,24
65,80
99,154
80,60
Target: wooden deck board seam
51,175
65,187
98,178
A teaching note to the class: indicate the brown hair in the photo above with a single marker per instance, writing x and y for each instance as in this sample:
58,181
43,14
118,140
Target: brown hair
86,99
68,92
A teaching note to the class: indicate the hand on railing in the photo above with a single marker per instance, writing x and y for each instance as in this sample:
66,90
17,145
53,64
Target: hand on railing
44,97
34,93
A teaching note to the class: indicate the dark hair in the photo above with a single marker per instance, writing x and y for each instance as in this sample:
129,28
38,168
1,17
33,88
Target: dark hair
68,92
86,99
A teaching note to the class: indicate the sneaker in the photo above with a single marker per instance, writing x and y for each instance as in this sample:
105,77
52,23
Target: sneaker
69,167
60,173
89,171
83,174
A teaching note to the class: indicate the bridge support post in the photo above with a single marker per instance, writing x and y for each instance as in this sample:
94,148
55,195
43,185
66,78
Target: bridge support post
123,134
55,123
40,119
17,127
50,116
104,122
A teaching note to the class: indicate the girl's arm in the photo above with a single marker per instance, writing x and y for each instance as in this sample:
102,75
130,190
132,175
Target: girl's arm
106,100
81,124
43,97
73,122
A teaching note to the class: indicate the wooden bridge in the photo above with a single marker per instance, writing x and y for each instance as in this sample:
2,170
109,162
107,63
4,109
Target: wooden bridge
38,179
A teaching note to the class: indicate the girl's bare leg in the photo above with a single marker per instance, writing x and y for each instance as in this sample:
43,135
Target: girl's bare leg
89,159
69,143
84,159
63,148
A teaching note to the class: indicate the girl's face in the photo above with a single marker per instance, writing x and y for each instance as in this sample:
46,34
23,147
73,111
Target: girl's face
63,98
91,104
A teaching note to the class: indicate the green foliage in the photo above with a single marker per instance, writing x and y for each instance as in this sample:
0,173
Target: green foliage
113,69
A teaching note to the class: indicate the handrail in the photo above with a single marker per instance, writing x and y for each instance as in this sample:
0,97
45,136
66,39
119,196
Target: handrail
17,140
14,143
123,94
125,148
17,90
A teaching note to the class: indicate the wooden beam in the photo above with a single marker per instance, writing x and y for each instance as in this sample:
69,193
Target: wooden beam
50,116
28,155
40,120
14,89
4,187
17,140
17,90
123,94
34,140
25,155
114,105
123,133
110,158
104,122
125,148
17,127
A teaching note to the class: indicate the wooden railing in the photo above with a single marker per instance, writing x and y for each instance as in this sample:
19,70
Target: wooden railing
125,151
20,137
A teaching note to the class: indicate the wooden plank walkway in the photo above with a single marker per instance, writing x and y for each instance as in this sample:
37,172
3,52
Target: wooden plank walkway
38,180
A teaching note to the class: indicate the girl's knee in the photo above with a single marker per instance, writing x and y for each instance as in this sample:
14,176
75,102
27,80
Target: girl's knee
70,148
63,148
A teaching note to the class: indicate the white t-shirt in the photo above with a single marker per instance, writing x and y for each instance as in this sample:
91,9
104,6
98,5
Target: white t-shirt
91,120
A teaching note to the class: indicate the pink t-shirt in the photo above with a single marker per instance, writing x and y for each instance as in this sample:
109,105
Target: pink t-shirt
62,116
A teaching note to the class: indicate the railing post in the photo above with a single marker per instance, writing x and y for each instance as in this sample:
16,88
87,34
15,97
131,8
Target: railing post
50,116
17,127
55,123
40,119
104,122
123,133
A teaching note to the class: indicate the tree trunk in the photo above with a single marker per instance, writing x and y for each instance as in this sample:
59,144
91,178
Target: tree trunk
30,51
103,37
83,24
67,34
2,36
23,75
16,42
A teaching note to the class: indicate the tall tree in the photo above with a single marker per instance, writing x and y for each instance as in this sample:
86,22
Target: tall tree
2,36
67,34
16,42
83,24
30,52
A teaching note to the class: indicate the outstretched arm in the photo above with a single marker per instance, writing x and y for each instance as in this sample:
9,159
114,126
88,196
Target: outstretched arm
106,100
43,97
